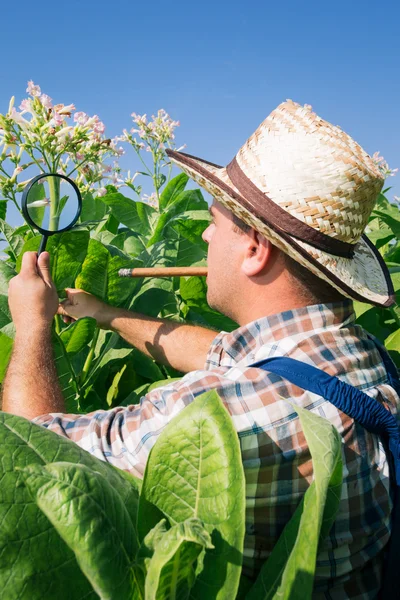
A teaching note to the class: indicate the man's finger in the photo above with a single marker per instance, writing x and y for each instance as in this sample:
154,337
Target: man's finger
29,264
61,310
44,267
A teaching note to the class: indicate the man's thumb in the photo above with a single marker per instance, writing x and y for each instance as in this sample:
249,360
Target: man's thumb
44,267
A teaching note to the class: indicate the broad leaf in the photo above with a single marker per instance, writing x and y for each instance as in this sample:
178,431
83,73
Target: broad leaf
172,190
93,209
7,272
66,376
392,219
6,345
135,215
99,275
171,568
126,241
91,518
180,482
380,237
5,315
15,241
35,562
289,571
78,335
156,296
67,252
189,203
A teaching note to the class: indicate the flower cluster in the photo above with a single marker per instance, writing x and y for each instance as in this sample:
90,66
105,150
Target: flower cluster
383,165
152,136
55,138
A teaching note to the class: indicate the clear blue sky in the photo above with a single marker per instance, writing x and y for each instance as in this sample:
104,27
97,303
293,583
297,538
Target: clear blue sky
219,67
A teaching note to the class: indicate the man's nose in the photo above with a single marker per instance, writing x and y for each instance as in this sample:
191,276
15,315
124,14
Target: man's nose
206,234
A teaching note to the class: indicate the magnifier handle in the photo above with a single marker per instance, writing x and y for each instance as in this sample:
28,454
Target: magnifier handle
42,246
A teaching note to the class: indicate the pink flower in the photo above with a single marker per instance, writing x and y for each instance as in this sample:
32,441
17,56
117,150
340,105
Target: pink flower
25,105
80,156
101,191
46,101
66,110
99,127
17,117
32,89
80,118
57,119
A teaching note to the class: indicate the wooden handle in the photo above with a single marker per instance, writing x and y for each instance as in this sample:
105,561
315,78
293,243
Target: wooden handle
164,272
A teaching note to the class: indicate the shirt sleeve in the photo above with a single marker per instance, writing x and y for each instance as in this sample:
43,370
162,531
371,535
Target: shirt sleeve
125,435
215,352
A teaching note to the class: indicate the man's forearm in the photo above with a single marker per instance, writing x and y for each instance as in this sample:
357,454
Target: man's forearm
31,386
183,347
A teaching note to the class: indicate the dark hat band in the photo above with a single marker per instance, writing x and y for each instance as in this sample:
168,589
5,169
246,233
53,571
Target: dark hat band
258,203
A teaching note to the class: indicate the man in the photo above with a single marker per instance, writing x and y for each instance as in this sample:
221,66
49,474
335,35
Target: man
285,256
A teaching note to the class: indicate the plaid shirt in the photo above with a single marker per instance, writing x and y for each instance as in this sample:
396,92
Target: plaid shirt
276,458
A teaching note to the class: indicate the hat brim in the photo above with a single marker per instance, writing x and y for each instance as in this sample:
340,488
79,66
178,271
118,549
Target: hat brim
364,277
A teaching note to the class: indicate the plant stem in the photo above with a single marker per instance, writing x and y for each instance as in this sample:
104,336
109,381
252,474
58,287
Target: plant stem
54,188
89,359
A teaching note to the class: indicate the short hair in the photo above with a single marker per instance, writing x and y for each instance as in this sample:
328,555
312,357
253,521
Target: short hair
311,287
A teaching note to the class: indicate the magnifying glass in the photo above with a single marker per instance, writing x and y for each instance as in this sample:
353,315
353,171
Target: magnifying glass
51,203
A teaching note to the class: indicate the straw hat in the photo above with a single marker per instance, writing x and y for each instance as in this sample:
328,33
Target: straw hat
309,188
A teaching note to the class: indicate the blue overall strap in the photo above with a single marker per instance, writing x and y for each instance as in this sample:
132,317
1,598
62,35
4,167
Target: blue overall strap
370,414
353,402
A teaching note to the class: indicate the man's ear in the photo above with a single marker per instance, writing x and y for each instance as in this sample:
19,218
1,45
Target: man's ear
257,253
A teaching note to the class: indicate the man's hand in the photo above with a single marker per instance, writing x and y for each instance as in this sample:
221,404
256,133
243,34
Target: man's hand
32,296
82,304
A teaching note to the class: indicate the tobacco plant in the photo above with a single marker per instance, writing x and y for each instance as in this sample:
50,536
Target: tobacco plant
69,524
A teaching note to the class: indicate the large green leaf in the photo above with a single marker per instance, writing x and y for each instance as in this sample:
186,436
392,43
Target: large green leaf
14,240
93,209
91,518
99,274
391,219
191,225
289,571
67,252
172,190
5,315
6,345
78,335
66,376
7,272
126,241
189,204
35,563
380,237
136,215
156,295
197,454
170,571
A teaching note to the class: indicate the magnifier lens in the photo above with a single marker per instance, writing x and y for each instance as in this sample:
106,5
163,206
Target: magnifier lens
52,203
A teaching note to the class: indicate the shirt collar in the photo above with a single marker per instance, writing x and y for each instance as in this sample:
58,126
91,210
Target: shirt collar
277,334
